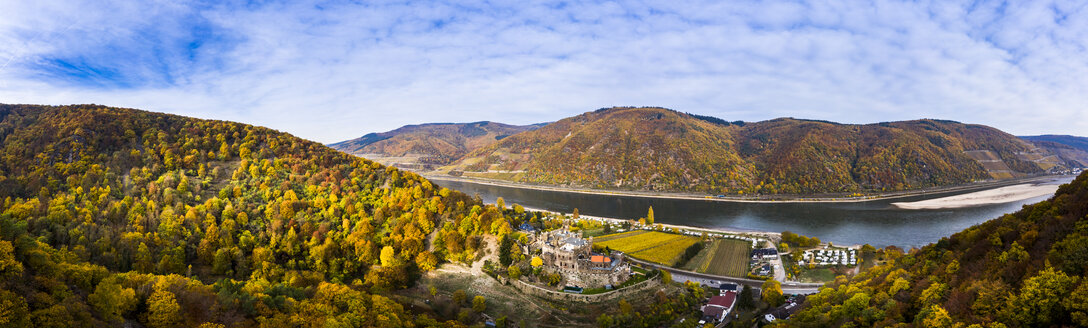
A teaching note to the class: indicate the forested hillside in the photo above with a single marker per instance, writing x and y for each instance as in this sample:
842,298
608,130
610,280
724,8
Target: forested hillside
637,148
1025,269
661,149
1072,150
117,216
428,145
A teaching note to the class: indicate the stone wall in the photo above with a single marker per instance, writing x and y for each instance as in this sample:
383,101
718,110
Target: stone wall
561,296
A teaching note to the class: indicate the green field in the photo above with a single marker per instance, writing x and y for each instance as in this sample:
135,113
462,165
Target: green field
726,257
816,275
658,247
618,235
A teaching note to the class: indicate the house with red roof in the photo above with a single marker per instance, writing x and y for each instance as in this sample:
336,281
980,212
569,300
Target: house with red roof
719,306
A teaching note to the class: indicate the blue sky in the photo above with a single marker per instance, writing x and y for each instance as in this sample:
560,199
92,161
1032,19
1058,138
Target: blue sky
334,70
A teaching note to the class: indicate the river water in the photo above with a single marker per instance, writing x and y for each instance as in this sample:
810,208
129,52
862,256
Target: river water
875,222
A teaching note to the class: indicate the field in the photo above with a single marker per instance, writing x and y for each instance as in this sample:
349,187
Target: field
617,236
697,263
816,275
658,247
728,257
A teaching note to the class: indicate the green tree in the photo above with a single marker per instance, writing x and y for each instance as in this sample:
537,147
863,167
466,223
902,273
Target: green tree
650,215
604,320
1039,301
744,298
1077,304
514,272
111,300
222,264
143,259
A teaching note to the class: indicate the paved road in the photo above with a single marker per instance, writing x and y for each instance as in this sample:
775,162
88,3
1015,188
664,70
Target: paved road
714,280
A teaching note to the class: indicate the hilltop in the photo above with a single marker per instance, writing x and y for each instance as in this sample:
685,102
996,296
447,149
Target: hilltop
1025,269
657,149
1071,151
121,217
427,146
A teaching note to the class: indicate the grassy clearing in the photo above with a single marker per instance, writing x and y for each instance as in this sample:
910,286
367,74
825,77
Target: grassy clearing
730,258
816,275
658,247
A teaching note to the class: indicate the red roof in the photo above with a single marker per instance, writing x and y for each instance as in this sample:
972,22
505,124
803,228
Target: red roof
725,301
599,259
714,311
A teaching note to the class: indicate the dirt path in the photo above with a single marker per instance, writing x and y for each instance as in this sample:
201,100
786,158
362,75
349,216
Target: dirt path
489,252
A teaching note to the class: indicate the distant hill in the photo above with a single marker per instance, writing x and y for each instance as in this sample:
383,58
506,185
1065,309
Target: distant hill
664,150
1025,269
1072,150
1072,141
426,146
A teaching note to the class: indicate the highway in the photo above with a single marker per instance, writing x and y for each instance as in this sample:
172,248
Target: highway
681,276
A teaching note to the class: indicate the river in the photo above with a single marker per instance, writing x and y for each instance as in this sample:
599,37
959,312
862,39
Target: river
875,222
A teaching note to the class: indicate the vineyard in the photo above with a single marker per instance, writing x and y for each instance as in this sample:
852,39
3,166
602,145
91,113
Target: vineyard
658,247
726,257
618,235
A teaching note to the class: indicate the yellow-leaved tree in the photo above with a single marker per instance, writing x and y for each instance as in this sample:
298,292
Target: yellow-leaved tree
163,309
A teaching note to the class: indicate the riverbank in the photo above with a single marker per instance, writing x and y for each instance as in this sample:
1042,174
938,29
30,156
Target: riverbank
774,237
754,199
985,197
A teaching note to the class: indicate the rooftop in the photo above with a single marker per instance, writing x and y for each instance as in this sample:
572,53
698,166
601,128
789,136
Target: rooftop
725,301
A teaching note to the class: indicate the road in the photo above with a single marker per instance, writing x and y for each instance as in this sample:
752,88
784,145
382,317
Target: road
679,275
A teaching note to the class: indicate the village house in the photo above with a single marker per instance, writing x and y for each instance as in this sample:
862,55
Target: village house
719,307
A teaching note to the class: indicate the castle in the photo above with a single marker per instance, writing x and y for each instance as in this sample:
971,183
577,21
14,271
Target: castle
568,254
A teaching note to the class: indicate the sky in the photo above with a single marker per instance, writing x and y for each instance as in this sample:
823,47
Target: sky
335,70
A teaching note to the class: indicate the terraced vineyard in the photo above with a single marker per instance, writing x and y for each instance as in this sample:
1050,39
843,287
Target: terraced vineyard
658,247
726,257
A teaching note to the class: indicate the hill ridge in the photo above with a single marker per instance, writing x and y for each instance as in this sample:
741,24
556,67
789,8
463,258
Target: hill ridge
783,155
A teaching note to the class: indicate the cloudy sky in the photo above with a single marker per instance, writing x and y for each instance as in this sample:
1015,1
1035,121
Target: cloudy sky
335,70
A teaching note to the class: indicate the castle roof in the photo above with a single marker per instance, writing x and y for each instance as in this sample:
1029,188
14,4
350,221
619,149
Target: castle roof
600,259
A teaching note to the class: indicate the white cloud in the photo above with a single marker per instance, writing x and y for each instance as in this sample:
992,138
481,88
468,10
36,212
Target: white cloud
331,71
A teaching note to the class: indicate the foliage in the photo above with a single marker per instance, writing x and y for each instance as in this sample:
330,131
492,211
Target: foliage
689,253
283,224
1015,271
479,304
440,143
660,149
797,240
772,292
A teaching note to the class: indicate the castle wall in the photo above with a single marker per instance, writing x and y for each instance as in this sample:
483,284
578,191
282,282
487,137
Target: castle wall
562,296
